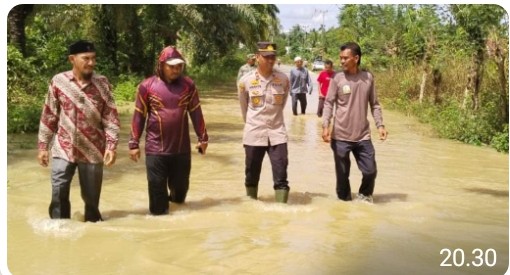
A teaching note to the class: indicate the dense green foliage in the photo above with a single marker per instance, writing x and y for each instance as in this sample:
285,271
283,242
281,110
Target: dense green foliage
445,64
128,39
24,92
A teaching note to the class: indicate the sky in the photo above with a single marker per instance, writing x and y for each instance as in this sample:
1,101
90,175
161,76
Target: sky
308,16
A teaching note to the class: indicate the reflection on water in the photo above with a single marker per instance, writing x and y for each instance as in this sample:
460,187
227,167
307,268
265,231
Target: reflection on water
487,191
430,194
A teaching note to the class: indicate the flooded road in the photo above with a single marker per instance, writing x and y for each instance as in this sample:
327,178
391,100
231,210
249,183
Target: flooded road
431,195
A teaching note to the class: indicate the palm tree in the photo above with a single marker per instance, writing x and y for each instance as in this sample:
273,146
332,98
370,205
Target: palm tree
16,25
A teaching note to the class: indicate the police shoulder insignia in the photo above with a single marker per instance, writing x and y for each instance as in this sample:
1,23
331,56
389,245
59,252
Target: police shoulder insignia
346,89
278,99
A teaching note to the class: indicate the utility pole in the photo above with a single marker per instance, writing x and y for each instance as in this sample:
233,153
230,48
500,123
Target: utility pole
322,12
305,28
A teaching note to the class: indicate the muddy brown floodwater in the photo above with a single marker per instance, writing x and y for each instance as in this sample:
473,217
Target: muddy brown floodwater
433,197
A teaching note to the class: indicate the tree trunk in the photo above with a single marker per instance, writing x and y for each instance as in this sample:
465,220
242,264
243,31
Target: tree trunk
437,79
430,42
134,42
422,85
473,83
503,96
477,79
16,26
108,35
469,87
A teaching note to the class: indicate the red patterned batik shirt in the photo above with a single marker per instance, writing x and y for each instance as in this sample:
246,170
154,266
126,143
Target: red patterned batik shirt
79,121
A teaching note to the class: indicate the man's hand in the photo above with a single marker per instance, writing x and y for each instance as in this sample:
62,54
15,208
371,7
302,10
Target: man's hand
383,134
325,135
202,147
134,154
43,158
109,158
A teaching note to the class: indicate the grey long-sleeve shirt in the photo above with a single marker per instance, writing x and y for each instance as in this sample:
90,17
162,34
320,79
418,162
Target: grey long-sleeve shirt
300,81
351,95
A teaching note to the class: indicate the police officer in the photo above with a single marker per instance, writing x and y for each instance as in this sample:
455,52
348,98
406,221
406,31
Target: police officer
262,96
248,67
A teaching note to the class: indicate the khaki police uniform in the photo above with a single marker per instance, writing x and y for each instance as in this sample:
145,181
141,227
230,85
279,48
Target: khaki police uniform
262,102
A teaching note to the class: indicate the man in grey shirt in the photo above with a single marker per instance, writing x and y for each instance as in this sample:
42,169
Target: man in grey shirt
248,67
300,84
351,92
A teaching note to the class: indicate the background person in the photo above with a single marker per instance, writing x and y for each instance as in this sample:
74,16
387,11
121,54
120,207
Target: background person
323,79
248,67
300,84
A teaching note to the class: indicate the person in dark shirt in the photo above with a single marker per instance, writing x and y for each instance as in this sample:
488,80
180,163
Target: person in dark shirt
163,102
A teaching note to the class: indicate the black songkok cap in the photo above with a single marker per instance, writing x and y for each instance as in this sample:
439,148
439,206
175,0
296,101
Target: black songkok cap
81,46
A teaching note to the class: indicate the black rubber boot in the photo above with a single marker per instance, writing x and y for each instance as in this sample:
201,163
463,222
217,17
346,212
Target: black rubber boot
252,192
281,195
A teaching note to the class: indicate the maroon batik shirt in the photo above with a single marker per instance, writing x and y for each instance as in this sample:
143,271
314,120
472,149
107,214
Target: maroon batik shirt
164,107
79,122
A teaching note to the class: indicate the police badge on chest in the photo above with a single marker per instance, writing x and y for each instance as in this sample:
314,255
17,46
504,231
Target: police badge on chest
256,99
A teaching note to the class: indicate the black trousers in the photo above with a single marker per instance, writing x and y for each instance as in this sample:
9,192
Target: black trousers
364,154
301,97
91,179
320,108
278,155
167,174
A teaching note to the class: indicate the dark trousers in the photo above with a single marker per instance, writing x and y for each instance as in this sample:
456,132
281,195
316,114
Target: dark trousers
301,97
164,174
320,108
364,154
279,162
91,179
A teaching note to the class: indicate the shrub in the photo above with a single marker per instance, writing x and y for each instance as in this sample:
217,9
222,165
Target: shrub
216,72
25,90
500,140
23,118
126,87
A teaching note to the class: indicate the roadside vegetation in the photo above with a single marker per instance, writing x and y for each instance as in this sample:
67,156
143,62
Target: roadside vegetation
445,64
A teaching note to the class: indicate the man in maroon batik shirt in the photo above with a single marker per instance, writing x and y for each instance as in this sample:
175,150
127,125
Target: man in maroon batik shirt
164,102
80,123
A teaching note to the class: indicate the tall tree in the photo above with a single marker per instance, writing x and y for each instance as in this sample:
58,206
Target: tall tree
499,53
212,31
16,25
131,46
476,20
107,40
